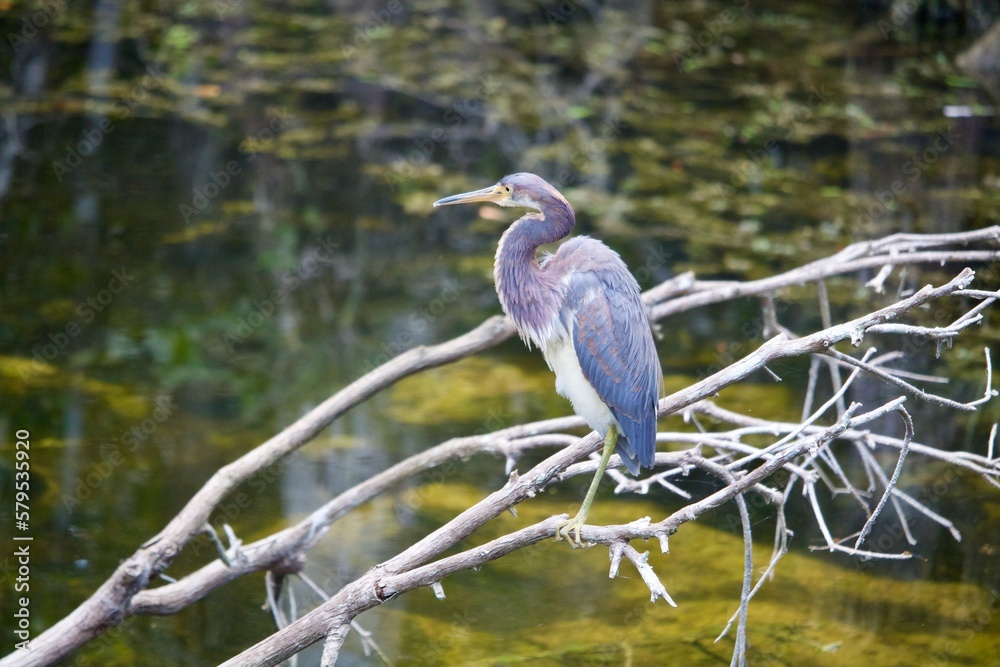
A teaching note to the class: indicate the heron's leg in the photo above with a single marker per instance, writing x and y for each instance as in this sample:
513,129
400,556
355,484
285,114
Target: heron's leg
574,524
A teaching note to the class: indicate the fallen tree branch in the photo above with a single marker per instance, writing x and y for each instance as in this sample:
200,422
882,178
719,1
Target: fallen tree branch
381,583
395,576
891,250
127,590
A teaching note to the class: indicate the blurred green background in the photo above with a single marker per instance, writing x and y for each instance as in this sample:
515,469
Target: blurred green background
213,215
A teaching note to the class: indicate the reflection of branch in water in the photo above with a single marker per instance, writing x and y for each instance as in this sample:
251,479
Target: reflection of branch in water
802,451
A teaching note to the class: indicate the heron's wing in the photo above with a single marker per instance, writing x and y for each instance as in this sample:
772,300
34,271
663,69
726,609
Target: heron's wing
614,345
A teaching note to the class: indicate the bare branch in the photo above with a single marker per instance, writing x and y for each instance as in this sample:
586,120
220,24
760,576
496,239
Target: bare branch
878,282
892,379
641,562
331,646
907,437
989,447
126,592
709,293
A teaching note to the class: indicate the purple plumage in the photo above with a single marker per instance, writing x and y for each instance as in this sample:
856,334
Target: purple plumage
582,308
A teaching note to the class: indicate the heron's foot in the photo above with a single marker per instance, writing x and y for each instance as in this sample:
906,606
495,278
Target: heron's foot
569,530
565,529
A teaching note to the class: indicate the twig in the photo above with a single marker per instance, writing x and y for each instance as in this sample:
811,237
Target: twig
740,651
705,293
874,470
368,643
819,412
827,320
878,282
810,386
331,645
929,513
920,393
641,562
126,592
907,436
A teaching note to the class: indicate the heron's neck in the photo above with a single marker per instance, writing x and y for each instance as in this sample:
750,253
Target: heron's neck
527,292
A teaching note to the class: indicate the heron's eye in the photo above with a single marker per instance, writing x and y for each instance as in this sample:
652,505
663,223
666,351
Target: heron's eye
506,189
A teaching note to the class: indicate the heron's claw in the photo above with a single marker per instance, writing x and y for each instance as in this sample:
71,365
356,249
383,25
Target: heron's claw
565,528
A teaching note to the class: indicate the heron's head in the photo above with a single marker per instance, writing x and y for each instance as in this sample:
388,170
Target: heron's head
524,190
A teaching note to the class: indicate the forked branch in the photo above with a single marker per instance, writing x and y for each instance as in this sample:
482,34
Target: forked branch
127,590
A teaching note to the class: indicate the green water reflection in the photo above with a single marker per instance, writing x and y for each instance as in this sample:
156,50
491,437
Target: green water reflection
215,214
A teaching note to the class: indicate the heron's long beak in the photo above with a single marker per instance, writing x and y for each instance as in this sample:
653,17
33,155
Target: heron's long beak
490,194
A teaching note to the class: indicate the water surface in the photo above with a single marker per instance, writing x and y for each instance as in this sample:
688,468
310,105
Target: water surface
213,215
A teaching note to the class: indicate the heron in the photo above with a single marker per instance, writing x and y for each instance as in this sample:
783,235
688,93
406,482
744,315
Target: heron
582,308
